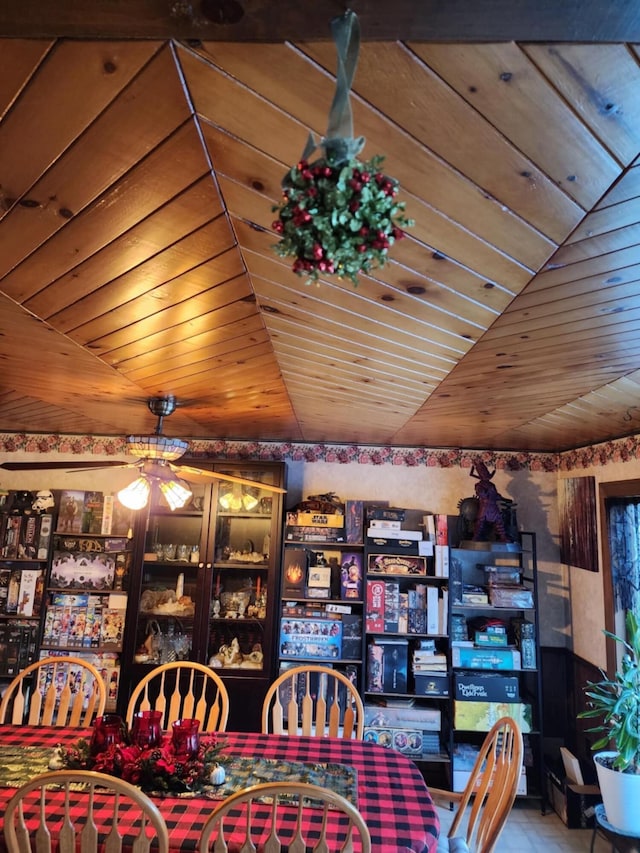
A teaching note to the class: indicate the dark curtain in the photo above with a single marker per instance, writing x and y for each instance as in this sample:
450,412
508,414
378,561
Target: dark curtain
624,544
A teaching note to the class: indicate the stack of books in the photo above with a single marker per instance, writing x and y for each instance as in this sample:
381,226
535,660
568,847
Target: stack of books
427,660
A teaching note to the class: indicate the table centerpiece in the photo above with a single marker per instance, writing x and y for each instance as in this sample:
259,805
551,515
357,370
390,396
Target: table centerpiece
183,763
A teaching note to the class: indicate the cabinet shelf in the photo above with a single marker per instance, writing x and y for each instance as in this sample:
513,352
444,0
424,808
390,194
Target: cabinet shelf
355,601
247,620
476,671
259,515
406,636
18,617
491,608
21,560
296,660
70,650
429,579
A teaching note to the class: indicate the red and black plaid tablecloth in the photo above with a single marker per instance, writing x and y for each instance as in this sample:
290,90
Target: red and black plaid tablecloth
392,795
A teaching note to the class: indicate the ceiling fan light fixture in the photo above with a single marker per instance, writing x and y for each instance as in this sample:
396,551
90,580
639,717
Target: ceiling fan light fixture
175,493
136,494
157,447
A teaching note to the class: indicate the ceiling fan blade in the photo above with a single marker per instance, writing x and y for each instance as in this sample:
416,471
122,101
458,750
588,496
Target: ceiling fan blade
98,467
201,475
52,466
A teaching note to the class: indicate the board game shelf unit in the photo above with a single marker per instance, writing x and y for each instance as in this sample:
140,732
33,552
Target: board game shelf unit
495,652
406,629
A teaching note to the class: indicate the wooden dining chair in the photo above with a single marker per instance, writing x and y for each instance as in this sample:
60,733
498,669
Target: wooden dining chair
492,785
36,814
182,690
55,691
324,821
313,700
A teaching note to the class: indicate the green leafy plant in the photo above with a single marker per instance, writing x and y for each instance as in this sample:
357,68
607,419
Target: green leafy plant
617,702
338,218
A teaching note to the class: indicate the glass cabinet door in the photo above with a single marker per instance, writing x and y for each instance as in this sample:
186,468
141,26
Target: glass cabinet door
246,536
171,582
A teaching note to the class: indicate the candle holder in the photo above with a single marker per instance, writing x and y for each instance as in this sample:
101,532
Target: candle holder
147,729
108,730
186,738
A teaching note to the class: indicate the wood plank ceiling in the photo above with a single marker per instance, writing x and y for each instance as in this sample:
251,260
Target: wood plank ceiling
137,177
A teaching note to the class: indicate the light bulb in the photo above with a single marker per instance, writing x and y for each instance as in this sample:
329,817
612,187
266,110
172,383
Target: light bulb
136,494
249,501
232,499
175,493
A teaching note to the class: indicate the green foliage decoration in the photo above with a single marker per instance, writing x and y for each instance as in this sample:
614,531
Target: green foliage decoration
617,702
338,218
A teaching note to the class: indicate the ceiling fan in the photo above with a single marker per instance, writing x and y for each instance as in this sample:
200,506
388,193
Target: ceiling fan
156,455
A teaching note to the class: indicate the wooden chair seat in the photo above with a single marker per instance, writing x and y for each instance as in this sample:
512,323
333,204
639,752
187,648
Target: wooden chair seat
74,828
327,705
182,690
291,835
55,691
491,791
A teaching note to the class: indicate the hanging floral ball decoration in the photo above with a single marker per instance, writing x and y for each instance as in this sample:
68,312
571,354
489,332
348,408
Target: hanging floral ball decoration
339,215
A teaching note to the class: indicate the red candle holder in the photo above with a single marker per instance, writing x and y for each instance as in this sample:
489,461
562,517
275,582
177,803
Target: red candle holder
185,738
107,731
147,729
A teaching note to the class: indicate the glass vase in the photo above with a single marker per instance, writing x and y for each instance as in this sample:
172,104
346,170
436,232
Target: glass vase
108,730
147,729
186,738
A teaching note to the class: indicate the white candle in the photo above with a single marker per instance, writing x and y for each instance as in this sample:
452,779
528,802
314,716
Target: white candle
180,586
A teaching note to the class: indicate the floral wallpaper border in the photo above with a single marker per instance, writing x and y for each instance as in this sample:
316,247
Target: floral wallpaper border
619,450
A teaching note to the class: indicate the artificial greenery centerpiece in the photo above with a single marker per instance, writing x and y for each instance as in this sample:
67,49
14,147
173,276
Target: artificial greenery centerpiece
339,216
155,769
617,701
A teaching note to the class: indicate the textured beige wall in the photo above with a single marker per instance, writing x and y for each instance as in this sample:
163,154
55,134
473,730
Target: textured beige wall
586,588
439,490
433,489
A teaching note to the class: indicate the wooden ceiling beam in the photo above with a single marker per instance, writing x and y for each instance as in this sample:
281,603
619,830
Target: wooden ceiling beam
278,20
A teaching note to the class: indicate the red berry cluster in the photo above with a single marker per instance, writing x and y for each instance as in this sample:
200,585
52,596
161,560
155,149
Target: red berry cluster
322,203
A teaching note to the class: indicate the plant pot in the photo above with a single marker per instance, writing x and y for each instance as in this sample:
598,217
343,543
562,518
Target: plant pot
620,796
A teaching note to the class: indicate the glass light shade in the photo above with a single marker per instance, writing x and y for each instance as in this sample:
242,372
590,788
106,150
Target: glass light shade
156,447
249,500
175,493
136,494
231,499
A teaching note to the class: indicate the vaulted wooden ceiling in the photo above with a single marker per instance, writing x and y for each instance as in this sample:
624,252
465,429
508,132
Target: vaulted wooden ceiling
142,148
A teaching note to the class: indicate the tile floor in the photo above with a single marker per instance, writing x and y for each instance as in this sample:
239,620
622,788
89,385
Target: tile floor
528,830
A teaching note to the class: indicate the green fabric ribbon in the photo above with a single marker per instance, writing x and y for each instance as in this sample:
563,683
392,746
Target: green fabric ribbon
339,143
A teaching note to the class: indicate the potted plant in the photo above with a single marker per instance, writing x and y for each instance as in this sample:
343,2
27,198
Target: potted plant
616,701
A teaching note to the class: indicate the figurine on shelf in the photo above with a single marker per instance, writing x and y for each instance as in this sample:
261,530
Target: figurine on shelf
261,604
215,609
489,508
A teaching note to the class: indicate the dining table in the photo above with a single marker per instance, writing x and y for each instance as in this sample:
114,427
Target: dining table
387,786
